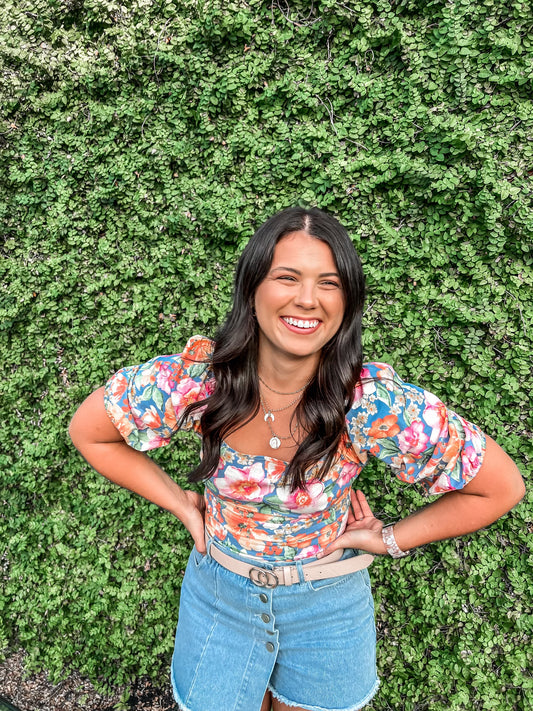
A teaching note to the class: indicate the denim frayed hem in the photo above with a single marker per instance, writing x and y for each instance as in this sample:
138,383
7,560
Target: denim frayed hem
181,705
297,704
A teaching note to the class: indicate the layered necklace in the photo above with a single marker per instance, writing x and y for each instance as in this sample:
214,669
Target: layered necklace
268,412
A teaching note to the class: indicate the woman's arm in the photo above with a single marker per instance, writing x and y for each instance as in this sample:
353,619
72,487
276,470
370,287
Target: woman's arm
496,488
102,446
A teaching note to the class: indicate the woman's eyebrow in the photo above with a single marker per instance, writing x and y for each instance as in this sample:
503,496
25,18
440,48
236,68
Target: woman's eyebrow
296,271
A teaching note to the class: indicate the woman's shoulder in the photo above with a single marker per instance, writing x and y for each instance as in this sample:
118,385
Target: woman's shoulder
374,376
377,370
198,349
194,360
146,402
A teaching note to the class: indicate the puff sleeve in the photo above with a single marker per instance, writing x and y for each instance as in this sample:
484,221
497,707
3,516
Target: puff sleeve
413,432
145,402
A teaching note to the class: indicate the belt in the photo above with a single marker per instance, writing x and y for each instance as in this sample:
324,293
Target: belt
328,567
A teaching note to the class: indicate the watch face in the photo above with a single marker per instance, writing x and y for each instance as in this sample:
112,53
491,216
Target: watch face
6,706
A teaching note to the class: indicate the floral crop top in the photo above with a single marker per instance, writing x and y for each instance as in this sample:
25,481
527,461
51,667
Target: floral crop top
247,508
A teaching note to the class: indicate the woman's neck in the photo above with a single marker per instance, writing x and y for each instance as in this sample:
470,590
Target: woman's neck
286,374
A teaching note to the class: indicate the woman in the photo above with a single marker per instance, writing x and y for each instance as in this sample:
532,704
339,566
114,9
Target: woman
275,606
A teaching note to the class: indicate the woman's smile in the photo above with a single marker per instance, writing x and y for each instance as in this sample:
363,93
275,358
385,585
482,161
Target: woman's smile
301,325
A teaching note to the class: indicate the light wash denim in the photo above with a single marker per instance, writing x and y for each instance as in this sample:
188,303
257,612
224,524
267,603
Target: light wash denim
311,644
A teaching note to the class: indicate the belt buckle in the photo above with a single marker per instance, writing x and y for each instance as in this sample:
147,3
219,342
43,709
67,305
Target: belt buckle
263,578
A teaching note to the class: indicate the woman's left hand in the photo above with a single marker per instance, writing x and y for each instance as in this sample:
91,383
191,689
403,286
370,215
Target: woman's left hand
363,529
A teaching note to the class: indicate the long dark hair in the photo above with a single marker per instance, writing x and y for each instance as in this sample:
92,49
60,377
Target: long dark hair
328,396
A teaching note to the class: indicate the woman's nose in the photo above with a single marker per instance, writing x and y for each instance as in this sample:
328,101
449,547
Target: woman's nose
306,296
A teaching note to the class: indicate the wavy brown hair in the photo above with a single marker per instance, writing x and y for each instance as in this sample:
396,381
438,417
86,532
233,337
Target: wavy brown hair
328,396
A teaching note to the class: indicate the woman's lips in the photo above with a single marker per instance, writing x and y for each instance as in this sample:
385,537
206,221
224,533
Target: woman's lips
301,325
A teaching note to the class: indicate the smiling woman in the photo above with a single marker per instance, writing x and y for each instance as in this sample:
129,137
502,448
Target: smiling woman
277,590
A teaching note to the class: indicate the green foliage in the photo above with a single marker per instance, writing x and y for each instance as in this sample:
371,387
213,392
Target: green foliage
142,143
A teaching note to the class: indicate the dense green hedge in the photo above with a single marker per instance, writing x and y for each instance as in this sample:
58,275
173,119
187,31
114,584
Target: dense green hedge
142,143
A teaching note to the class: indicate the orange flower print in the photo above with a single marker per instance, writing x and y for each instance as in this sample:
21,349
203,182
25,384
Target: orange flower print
150,417
328,535
384,427
198,349
272,549
275,469
120,419
170,415
118,386
246,524
240,522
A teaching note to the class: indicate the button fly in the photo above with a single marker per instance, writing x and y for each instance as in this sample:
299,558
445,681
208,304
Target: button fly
265,617
270,647
263,597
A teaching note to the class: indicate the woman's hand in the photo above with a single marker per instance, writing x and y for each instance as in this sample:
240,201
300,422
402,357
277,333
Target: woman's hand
363,529
193,518
103,447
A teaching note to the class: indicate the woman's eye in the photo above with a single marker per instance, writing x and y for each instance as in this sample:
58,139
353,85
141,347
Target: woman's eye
331,284
287,277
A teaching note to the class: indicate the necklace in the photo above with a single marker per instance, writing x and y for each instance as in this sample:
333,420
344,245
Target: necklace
269,412
278,392
275,440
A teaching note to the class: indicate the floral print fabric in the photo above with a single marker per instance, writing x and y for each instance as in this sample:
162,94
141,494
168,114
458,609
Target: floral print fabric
247,507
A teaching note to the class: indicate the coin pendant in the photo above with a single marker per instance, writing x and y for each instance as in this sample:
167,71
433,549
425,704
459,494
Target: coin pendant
275,442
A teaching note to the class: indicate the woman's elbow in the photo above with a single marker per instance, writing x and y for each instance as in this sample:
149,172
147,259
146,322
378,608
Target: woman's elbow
90,423
76,430
518,489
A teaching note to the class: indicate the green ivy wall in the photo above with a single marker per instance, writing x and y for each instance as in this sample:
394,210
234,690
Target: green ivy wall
141,145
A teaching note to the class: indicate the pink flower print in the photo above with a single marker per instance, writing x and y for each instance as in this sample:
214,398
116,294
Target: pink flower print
186,392
155,442
308,552
366,386
471,462
209,387
413,439
248,484
308,500
165,378
346,474
436,415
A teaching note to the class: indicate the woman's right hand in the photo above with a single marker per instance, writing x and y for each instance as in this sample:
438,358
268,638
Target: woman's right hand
193,518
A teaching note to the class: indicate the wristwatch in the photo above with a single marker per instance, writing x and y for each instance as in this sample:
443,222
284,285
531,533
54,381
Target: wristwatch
393,549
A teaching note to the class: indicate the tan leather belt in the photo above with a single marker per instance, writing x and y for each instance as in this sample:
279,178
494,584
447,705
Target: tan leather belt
328,567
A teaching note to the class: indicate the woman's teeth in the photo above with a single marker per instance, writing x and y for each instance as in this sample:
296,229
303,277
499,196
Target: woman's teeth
299,323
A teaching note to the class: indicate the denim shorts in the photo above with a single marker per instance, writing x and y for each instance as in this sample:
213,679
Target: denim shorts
312,644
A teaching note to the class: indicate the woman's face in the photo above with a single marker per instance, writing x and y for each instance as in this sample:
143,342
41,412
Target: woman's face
300,304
